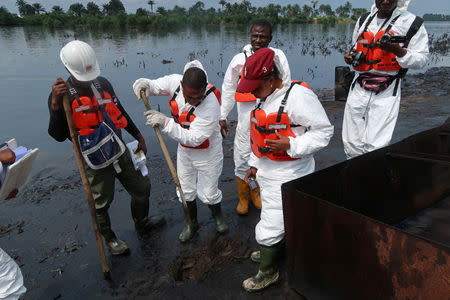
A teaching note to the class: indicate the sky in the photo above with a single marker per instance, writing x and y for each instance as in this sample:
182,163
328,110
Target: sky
418,7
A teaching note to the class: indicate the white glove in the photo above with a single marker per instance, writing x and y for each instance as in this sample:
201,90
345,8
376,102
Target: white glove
141,84
155,118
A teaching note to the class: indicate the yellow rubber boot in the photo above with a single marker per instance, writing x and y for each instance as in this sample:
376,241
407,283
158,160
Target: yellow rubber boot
243,189
256,198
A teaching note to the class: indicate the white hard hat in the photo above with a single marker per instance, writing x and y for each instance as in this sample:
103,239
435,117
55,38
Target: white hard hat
79,58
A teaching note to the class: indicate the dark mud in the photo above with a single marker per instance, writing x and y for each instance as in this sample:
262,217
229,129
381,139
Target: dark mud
48,231
212,256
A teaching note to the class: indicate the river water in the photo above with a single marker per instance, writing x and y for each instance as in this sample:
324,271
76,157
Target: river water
30,63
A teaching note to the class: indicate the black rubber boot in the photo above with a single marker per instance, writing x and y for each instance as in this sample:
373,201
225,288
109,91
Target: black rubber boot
221,225
142,222
114,245
104,224
188,231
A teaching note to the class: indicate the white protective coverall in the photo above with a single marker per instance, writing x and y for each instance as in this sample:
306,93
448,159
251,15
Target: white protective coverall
198,169
242,148
303,108
369,119
11,280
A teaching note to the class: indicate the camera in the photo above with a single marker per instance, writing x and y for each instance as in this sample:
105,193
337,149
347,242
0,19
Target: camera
392,39
252,183
358,58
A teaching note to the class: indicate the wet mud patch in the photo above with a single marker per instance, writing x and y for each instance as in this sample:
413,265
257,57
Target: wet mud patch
9,228
212,256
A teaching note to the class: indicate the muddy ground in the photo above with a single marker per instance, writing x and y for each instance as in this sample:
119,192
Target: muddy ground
48,230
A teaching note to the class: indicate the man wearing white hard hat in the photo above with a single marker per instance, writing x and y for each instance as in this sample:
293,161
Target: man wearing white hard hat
195,108
98,118
386,43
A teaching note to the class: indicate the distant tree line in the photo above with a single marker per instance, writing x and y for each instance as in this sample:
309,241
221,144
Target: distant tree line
112,14
436,17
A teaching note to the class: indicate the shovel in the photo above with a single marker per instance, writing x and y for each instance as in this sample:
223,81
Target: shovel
168,160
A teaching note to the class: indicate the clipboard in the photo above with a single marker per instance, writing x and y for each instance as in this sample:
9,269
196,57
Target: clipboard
18,172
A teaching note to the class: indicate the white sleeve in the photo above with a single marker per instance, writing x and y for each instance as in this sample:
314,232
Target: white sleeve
417,52
305,109
199,130
253,161
230,83
164,86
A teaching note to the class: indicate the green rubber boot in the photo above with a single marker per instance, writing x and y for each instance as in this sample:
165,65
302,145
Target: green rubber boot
268,270
188,231
221,225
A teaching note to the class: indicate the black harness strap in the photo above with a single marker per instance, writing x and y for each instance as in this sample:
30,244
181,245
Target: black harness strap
415,25
73,92
175,117
284,101
99,88
363,17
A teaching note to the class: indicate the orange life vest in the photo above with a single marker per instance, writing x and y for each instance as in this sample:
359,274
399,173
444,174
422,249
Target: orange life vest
87,111
187,117
375,57
263,127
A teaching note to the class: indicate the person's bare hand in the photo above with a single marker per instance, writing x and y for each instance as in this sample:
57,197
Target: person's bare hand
223,128
250,173
59,89
348,58
281,144
141,145
393,48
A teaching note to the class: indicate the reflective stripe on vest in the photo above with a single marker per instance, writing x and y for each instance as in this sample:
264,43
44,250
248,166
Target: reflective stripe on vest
264,127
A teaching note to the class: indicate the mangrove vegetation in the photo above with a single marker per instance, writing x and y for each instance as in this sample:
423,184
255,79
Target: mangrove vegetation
113,14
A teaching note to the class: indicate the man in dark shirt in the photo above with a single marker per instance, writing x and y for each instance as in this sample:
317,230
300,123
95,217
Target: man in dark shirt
80,61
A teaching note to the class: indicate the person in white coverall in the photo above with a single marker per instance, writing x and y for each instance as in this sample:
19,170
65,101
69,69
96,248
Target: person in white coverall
11,280
199,155
260,37
374,99
288,125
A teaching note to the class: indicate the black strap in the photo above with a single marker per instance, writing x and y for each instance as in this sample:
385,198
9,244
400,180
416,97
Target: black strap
176,93
369,21
211,89
99,88
415,25
365,27
190,113
362,18
284,101
390,24
245,53
73,94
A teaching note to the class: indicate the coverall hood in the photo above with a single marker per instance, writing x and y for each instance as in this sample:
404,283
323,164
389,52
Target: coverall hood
285,72
196,64
402,5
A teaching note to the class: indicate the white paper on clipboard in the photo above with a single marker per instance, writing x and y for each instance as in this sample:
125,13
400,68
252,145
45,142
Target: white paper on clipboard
18,173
